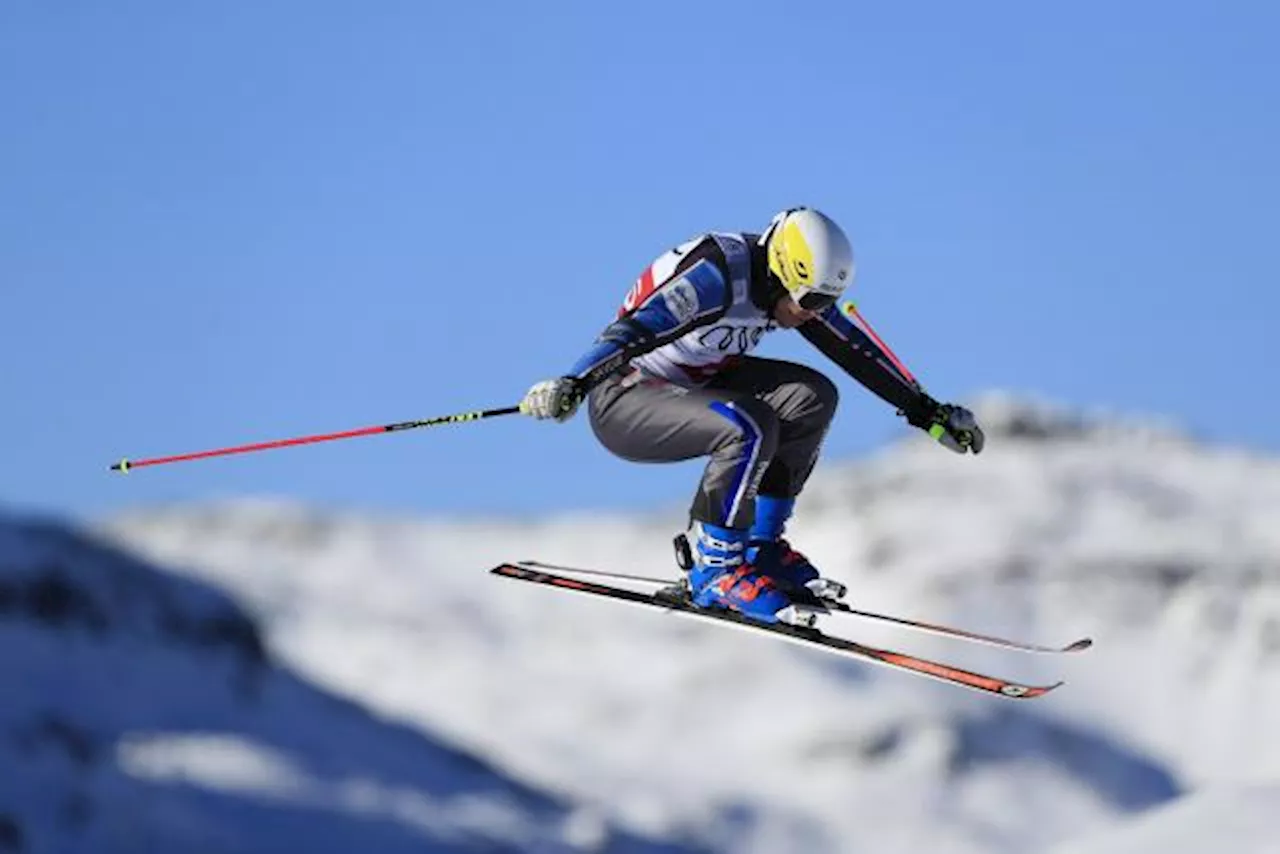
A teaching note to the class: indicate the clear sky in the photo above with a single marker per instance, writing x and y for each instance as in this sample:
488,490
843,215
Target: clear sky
227,222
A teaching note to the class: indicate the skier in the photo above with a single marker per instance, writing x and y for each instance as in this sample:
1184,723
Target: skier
671,379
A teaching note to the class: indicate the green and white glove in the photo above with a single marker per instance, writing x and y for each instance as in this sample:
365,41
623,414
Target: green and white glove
558,399
956,429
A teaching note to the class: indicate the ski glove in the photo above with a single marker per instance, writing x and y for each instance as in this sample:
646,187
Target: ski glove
956,429
558,399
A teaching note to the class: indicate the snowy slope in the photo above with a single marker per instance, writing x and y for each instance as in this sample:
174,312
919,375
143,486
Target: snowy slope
142,712
1242,820
1165,551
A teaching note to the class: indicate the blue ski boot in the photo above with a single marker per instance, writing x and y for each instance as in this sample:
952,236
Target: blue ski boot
721,576
772,555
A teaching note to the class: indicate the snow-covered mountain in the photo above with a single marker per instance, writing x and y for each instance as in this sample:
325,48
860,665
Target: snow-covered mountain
1239,819
143,712
1166,551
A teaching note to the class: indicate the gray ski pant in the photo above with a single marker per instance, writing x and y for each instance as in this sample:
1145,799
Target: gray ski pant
761,422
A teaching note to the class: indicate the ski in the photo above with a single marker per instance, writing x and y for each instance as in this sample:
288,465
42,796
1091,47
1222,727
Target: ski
841,608
959,634
676,602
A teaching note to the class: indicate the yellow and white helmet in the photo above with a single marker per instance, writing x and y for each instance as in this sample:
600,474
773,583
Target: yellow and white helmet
810,256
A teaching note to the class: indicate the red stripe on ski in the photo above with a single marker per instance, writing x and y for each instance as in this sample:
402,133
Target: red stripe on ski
962,677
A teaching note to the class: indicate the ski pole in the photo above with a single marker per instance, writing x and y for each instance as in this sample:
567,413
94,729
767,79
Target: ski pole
126,465
851,310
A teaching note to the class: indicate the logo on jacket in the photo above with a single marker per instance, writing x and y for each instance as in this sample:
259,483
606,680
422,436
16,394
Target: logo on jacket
729,338
681,298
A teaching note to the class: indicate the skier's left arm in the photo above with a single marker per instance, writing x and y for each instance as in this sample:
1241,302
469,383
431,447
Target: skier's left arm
870,364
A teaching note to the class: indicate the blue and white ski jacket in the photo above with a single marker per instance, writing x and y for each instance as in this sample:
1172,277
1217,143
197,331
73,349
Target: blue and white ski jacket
700,307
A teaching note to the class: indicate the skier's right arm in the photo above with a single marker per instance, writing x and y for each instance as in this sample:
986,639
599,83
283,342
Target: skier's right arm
697,294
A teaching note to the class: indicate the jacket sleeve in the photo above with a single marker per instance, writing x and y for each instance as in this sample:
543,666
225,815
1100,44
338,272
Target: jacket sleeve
862,358
696,295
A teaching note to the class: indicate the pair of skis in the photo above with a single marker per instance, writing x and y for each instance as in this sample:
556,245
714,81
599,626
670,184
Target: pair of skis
674,598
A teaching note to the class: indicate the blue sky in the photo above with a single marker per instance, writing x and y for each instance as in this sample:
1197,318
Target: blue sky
221,223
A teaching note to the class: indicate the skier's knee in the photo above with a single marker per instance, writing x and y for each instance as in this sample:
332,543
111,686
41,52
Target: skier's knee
817,395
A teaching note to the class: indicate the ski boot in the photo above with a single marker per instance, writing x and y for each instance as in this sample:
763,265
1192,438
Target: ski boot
721,576
771,554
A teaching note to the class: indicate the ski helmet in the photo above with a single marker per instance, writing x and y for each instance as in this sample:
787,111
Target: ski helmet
810,256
